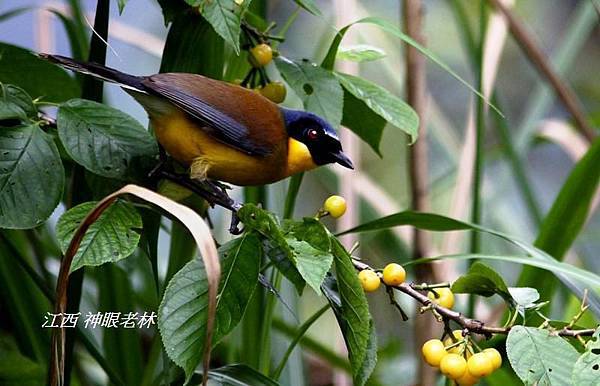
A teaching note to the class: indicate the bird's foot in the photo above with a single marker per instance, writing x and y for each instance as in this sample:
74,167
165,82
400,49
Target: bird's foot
213,193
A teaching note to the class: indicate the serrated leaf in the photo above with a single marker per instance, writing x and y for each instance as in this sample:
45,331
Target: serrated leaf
15,103
38,77
524,296
104,140
481,280
539,357
355,319
283,263
182,313
385,104
312,231
31,177
112,237
309,5
318,88
586,371
360,53
363,121
225,16
313,264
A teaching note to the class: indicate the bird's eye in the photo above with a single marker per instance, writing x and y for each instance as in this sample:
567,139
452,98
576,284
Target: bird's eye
312,134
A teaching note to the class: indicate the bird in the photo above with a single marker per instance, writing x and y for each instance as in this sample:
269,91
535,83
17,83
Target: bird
221,131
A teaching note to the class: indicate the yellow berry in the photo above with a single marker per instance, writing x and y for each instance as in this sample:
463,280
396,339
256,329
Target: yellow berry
369,280
467,379
449,342
433,351
453,366
479,365
260,55
335,206
494,357
445,297
394,274
274,91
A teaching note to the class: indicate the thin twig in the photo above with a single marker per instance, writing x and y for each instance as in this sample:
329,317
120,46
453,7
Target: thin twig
473,325
539,60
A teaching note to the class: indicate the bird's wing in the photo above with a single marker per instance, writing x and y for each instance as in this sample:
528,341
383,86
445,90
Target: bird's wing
219,124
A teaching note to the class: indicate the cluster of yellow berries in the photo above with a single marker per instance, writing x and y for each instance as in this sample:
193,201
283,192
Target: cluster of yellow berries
456,360
260,56
393,274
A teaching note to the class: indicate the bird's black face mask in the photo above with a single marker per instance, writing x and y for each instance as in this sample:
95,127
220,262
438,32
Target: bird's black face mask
318,136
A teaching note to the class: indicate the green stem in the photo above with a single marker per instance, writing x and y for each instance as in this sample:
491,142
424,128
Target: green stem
264,360
292,194
314,346
479,143
301,331
479,135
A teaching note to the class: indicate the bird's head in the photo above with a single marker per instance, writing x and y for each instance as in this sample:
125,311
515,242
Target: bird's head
319,137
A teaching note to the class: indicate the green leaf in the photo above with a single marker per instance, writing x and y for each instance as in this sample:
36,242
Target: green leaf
121,4
225,16
112,237
360,53
525,297
318,89
31,177
36,76
586,371
481,280
104,140
15,103
566,218
183,311
355,321
310,6
312,231
587,278
265,223
538,357
283,263
428,221
313,264
329,61
237,375
388,106
363,121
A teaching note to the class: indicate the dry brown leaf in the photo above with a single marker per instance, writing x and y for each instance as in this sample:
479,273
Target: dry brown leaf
197,227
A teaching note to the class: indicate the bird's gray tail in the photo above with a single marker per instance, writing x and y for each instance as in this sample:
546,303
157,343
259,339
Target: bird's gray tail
97,71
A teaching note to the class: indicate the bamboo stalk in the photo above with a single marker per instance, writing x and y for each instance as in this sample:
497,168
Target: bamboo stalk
415,81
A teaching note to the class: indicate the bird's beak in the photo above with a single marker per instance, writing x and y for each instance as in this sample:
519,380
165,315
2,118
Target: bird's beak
343,159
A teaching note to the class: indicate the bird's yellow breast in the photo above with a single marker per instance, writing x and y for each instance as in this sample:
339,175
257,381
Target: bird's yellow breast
207,157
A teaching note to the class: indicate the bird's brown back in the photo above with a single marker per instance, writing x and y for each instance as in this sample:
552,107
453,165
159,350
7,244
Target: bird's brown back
262,117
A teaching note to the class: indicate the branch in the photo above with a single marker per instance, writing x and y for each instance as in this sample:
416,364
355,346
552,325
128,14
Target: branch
473,325
538,59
